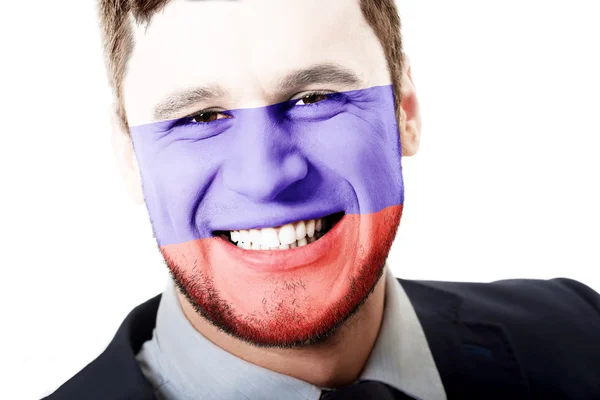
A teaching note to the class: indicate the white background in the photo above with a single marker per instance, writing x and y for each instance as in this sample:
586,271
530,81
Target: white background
505,184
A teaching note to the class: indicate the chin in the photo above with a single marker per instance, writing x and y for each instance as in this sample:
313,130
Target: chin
285,296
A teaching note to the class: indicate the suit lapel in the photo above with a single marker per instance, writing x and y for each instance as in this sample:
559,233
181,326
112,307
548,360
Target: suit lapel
116,374
474,358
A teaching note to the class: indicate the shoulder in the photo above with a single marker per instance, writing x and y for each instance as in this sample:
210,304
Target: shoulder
557,299
116,374
551,327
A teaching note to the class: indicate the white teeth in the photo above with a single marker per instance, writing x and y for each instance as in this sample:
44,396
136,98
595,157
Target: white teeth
269,237
287,234
244,236
300,230
310,228
255,236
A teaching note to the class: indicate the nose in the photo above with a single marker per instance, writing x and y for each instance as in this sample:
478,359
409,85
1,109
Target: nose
263,161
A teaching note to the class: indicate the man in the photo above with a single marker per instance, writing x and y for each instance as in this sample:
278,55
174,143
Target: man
265,137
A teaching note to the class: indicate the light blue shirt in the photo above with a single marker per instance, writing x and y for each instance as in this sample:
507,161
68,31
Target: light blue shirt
181,364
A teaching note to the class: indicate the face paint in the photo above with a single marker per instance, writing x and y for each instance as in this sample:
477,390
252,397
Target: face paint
267,167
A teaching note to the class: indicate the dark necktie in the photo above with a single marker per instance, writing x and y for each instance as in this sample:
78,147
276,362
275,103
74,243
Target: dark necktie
365,390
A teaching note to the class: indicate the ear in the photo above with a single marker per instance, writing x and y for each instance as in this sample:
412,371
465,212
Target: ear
128,165
410,116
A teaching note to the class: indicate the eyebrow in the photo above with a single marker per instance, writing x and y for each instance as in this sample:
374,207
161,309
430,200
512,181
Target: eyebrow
320,73
175,103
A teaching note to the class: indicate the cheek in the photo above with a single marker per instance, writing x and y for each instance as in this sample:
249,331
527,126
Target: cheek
364,154
175,179
350,150
178,162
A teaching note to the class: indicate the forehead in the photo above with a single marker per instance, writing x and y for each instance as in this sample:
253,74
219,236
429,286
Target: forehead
246,47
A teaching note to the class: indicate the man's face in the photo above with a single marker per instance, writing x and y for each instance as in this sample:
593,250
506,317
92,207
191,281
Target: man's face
269,154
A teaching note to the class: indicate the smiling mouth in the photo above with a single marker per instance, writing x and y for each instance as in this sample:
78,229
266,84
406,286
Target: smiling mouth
284,237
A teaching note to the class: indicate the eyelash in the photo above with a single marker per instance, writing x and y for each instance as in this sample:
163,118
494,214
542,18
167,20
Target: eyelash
189,119
314,93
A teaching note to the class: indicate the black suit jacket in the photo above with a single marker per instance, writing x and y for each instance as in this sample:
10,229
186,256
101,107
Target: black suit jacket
509,340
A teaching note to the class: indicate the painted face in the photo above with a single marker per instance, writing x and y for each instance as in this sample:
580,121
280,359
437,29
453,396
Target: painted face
269,152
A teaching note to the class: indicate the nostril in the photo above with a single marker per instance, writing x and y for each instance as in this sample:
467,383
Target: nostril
263,179
295,167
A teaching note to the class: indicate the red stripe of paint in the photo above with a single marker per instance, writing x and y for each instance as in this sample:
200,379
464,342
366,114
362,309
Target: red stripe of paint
290,296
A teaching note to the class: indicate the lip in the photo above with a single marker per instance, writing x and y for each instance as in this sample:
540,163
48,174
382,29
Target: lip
275,222
286,260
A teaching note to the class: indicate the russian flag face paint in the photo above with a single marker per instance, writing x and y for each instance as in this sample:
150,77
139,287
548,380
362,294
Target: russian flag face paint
318,174
267,167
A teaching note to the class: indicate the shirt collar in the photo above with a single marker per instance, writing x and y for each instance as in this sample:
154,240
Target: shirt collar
401,356
199,369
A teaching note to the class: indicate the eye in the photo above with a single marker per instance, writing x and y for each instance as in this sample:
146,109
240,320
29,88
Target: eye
316,105
207,116
311,98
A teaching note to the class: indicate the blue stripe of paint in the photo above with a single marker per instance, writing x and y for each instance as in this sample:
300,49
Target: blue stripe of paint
270,165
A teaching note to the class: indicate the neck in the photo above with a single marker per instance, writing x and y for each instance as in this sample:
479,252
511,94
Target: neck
335,362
